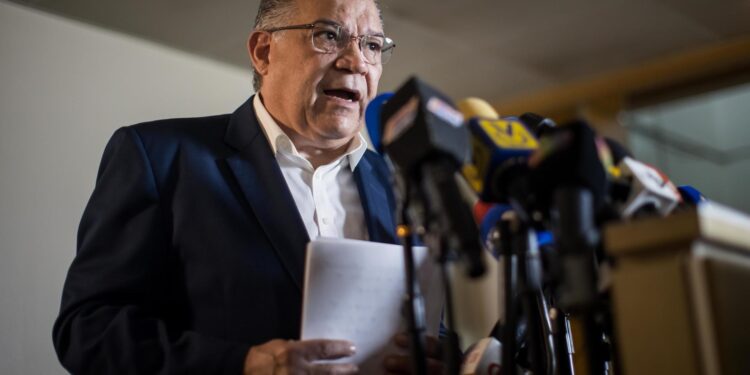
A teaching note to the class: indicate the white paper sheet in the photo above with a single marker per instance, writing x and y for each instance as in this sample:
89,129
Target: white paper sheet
354,290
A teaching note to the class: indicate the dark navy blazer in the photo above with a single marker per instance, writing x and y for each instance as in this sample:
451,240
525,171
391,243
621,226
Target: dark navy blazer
191,249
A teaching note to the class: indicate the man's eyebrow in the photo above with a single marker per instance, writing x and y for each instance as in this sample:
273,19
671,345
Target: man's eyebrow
331,22
327,21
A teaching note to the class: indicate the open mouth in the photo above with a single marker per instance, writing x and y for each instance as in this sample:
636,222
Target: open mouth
343,94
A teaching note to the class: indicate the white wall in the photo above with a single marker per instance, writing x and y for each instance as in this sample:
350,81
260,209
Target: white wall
64,88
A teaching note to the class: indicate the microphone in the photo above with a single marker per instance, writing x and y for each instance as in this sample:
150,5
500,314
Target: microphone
419,123
483,358
570,156
487,216
372,119
538,124
424,136
618,151
494,142
610,152
650,190
690,195
372,124
570,185
475,108
501,149
541,126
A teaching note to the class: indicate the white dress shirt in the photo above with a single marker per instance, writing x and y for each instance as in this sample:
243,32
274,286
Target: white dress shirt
327,197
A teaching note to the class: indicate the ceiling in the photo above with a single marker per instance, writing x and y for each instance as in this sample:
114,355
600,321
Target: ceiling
487,48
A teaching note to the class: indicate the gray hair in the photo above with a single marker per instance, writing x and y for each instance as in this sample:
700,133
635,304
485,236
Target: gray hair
271,13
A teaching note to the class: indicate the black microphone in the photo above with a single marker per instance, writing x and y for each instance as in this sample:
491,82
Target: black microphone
424,136
615,152
569,156
618,151
537,123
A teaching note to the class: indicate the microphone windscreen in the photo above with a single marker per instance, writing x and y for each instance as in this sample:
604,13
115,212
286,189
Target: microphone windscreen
481,209
489,220
691,195
569,157
650,189
372,119
475,107
495,144
420,123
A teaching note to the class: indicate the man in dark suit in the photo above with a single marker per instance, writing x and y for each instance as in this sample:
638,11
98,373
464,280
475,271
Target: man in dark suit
191,249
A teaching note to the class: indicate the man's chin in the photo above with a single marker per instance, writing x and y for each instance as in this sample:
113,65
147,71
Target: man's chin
341,137
339,127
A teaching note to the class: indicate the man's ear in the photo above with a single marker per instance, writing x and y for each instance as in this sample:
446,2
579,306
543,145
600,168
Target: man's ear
259,48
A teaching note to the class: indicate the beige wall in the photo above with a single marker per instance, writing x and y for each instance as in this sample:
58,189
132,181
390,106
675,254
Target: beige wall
64,88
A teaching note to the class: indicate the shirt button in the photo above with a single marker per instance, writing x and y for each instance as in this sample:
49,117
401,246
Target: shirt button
325,220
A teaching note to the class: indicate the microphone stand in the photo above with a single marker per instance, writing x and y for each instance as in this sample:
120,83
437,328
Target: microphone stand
559,320
578,237
528,290
543,348
438,185
451,341
564,341
523,281
413,300
527,293
509,343
429,205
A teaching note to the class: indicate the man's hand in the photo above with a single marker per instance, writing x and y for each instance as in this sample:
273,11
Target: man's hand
401,364
297,357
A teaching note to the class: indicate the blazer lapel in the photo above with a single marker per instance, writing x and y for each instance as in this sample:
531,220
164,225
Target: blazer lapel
260,179
378,208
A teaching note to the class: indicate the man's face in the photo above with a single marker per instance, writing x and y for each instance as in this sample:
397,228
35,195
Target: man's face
303,88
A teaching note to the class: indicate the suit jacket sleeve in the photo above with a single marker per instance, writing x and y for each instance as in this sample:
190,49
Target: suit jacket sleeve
116,299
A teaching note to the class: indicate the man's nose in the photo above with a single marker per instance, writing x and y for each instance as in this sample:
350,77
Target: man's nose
351,57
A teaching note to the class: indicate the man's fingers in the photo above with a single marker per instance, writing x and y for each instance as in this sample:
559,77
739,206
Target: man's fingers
335,369
325,349
293,357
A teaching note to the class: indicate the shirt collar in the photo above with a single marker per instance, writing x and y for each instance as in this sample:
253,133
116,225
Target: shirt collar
279,141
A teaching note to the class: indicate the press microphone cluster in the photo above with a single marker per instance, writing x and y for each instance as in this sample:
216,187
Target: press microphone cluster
540,186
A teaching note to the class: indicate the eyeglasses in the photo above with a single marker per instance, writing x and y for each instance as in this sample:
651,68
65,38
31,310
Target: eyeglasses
333,38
